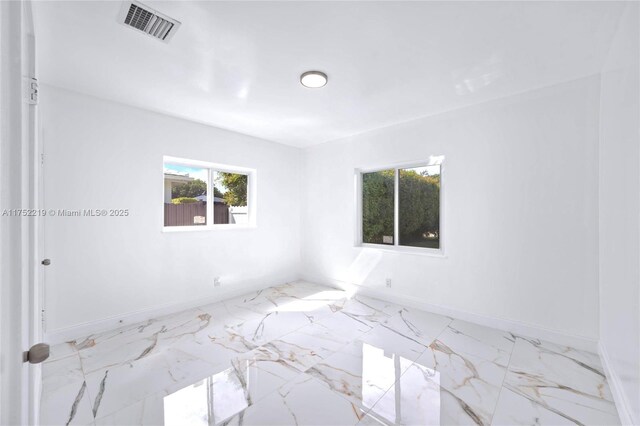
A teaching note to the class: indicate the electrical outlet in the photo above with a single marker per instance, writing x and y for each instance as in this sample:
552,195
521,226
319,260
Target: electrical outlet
388,282
216,282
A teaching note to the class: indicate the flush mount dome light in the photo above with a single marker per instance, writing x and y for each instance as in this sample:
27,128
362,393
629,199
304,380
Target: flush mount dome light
313,79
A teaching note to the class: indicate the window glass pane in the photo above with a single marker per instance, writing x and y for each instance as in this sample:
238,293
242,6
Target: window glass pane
230,198
377,207
419,206
185,195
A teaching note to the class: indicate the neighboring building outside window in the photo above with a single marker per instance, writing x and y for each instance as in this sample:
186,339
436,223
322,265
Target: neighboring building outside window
206,195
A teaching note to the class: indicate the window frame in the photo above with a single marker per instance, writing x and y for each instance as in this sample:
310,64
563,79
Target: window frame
434,160
214,167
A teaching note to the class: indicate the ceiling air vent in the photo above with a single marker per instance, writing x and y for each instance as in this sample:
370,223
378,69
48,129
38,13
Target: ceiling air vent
145,19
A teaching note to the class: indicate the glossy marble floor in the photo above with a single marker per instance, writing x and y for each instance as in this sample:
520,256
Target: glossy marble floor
306,354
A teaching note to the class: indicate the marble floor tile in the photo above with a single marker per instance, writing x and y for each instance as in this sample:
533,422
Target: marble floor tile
309,299
306,347
116,347
148,412
514,409
331,297
317,337
563,380
239,384
222,395
484,342
422,326
305,354
131,343
68,404
301,290
115,388
59,372
216,345
414,399
313,309
62,350
303,401
188,323
268,361
372,419
368,310
348,326
250,306
64,392
393,342
225,315
443,387
360,372
271,326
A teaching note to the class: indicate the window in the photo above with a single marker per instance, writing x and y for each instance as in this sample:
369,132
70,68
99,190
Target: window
401,206
199,195
377,207
185,195
419,206
230,198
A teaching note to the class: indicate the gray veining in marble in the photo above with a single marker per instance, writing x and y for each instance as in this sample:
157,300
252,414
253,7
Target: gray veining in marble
306,354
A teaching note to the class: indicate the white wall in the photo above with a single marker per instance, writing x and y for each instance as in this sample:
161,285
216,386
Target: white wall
620,216
520,191
102,155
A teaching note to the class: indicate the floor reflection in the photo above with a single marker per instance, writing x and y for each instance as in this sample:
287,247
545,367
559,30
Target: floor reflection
416,391
378,371
209,401
394,390
414,399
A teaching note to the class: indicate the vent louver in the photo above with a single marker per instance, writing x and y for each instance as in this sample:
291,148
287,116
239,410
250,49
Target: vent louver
144,19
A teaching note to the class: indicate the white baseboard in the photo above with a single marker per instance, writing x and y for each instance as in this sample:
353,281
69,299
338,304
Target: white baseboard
85,329
111,323
619,396
516,327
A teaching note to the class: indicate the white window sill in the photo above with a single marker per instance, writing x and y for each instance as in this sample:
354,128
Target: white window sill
417,251
225,227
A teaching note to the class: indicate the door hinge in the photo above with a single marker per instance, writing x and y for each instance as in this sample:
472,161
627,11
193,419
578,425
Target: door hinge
32,91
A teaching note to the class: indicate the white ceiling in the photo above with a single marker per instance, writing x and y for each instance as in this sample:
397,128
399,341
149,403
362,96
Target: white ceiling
236,65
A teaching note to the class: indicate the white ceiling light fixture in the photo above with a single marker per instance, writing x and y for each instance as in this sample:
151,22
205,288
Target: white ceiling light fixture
313,79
